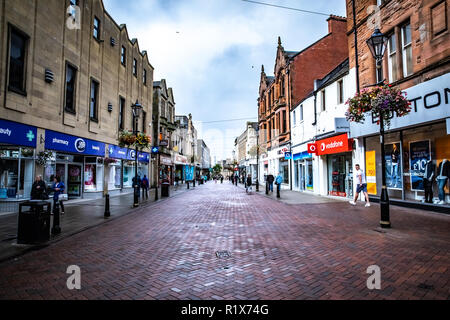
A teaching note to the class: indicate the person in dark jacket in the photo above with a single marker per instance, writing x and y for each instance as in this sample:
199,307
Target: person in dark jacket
270,180
39,190
248,185
58,188
145,185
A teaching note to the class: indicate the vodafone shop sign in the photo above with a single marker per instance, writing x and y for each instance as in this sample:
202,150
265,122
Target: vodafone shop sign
332,145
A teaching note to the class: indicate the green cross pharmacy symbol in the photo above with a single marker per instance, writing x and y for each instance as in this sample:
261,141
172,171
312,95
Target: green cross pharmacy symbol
30,136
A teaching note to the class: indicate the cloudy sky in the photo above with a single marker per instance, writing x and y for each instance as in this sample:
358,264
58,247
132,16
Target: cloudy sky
211,52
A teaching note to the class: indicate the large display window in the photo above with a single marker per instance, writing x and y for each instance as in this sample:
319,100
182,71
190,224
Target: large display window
340,175
128,174
93,174
115,175
16,172
412,159
284,170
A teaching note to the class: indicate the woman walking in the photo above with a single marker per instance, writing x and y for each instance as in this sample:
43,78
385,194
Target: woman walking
58,188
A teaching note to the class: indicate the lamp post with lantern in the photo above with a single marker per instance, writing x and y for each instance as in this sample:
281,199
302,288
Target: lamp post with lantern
137,109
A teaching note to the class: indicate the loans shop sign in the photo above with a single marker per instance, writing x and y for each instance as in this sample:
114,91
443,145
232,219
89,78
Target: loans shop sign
332,145
429,102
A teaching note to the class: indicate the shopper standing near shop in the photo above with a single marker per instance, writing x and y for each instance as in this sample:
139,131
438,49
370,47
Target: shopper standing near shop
270,180
145,185
361,186
39,190
278,182
58,188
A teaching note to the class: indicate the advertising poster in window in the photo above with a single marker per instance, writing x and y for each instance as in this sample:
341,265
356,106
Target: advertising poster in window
419,154
371,172
393,161
89,177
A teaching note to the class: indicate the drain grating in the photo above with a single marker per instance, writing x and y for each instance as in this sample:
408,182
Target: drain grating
425,286
223,254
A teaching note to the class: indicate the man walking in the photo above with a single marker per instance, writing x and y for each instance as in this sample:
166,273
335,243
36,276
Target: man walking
248,185
361,186
145,185
278,182
270,180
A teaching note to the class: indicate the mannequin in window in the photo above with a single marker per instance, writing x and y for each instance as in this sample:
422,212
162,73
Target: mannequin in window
442,178
428,178
395,155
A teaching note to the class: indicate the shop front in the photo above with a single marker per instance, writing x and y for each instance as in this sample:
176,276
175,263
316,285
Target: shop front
180,162
165,169
277,163
417,149
303,172
78,162
335,162
17,169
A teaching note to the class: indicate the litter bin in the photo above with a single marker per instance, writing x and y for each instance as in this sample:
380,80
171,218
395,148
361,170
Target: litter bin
165,189
34,224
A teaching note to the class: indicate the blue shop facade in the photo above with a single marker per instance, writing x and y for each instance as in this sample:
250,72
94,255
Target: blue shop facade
88,168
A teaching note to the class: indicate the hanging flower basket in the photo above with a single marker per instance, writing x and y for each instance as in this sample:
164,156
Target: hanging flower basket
142,141
43,157
380,100
126,139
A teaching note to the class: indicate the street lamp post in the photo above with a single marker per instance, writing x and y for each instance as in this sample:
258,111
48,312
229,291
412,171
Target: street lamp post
137,108
257,157
377,45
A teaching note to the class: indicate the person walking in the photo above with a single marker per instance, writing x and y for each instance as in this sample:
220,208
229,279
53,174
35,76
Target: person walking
221,179
145,185
248,185
39,190
270,180
278,182
58,188
361,186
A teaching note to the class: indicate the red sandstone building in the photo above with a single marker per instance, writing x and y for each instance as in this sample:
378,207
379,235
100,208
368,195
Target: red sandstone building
417,60
293,80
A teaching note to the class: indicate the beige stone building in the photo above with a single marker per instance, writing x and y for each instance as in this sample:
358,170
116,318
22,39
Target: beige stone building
74,78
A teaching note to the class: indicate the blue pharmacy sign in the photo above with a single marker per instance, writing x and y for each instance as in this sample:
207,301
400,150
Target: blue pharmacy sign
17,134
72,144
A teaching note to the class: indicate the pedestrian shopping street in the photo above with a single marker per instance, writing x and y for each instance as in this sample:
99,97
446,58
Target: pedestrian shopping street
217,242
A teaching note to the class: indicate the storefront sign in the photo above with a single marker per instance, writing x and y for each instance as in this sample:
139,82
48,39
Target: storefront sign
312,148
165,161
71,144
17,134
302,156
155,150
164,143
371,172
180,159
282,151
127,154
419,154
333,145
287,155
429,102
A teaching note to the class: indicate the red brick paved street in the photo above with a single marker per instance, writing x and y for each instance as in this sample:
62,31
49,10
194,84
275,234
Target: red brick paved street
278,251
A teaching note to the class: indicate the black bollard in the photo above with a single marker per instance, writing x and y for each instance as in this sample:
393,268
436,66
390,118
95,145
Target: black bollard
267,188
156,193
107,212
193,183
187,184
278,191
56,228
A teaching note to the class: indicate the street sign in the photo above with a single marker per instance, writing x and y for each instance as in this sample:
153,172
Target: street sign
155,150
163,143
287,155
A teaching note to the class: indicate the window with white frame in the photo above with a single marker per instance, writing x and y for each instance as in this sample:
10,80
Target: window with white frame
392,58
340,91
407,50
323,101
301,112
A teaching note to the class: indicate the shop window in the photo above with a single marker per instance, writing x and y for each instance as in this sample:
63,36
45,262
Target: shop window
392,58
284,121
93,174
407,50
71,78
439,18
18,45
9,174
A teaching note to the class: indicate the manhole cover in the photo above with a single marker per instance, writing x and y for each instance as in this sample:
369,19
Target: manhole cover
223,254
425,286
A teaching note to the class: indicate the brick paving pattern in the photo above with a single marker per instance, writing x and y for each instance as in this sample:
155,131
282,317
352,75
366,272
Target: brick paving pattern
167,251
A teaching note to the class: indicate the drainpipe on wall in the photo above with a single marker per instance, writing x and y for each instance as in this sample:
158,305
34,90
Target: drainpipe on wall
290,129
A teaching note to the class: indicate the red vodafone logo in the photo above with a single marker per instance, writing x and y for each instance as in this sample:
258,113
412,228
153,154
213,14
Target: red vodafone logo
336,144
312,148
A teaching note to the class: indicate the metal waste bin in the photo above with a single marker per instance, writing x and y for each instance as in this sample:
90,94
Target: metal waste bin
34,224
165,189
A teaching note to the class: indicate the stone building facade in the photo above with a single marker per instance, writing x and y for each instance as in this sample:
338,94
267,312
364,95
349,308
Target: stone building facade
73,78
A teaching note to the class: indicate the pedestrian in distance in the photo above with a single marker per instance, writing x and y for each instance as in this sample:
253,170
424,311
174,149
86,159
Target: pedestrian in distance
361,186
58,189
221,179
145,186
278,182
270,181
39,190
248,184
